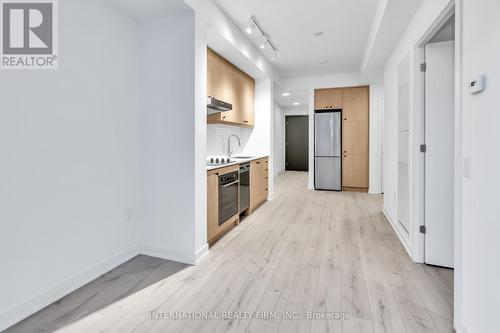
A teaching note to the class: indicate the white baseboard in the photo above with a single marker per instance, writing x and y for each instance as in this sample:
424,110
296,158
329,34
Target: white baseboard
201,253
399,232
23,310
167,254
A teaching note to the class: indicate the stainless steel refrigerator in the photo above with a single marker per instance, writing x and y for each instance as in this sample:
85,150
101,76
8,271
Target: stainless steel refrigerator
327,150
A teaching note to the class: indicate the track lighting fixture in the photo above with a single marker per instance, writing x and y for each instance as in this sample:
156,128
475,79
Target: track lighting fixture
265,40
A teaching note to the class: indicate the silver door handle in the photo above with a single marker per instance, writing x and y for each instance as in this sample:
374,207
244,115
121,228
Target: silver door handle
235,182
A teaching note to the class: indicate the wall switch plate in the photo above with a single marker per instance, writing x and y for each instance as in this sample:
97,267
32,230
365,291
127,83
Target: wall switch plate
467,166
477,84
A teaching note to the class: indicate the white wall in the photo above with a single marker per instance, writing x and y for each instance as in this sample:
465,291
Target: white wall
259,141
375,159
279,140
423,19
480,297
200,138
168,155
69,162
296,111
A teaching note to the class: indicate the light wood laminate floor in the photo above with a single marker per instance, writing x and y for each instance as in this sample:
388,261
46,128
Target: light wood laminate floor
304,251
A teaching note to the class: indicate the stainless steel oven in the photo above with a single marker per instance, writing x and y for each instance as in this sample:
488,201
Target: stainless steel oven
228,195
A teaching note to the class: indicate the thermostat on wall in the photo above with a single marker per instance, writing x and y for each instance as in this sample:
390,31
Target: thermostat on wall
477,84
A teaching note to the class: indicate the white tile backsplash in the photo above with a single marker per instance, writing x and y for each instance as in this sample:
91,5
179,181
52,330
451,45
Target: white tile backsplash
217,136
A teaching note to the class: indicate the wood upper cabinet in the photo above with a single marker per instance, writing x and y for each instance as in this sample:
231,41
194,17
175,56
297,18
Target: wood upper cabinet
247,100
229,84
259,180
328,99
355,102
214,71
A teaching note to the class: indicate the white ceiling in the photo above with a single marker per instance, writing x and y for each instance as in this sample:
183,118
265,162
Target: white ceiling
299,96
141,10
291,24
392,22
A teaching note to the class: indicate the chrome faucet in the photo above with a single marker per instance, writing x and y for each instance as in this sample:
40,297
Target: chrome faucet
229,151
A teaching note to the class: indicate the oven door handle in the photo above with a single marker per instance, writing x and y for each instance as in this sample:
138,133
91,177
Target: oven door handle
235,182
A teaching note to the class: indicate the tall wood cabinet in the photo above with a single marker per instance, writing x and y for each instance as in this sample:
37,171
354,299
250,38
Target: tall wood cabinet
355,141
228,83
354,102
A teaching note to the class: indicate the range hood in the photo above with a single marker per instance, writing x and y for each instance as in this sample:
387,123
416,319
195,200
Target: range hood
216,106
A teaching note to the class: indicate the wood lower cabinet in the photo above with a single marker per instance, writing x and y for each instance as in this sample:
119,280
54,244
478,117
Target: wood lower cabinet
354,172
214,230
228,83
259,182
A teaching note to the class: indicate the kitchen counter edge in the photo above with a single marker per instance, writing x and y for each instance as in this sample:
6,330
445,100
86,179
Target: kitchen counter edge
240,161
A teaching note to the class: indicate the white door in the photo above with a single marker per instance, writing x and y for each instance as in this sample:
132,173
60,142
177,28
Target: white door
439,138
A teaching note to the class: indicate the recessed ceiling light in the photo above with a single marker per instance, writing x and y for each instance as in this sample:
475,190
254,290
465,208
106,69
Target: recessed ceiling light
249,30
318,33
322,62
296,103
285,94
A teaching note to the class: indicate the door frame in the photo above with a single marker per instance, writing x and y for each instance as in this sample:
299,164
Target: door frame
418,182
418,203
285,139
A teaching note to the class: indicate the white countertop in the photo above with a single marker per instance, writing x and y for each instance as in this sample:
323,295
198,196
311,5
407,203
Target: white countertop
236,162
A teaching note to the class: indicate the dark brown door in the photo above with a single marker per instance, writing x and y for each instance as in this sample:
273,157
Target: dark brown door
297,143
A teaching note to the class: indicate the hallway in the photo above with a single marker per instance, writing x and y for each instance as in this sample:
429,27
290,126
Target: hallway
304,251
